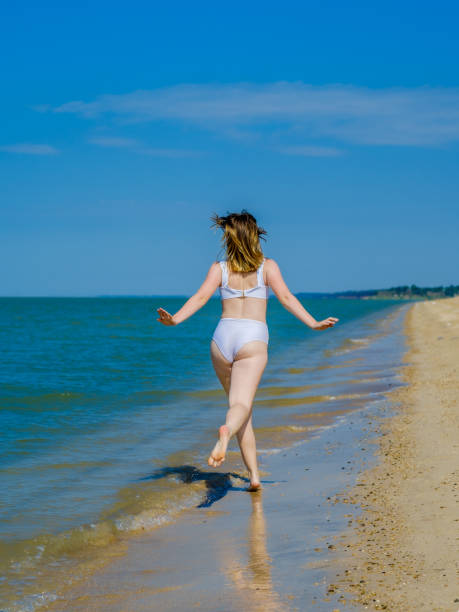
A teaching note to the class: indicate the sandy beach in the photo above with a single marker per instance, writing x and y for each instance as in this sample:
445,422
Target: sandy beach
401,552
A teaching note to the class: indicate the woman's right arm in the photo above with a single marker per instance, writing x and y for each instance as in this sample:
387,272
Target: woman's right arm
196,301
289,301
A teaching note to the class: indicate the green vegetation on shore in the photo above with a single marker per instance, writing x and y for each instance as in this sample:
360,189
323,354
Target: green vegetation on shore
404,292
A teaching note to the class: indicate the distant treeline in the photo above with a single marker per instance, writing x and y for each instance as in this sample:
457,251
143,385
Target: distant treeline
403,292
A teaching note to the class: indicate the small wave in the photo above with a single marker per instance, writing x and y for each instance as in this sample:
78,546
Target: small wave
346,346
30,603
326,366
275,450
149,519
275,437
27,469
292,401
276,390
52,400
263,431
207,393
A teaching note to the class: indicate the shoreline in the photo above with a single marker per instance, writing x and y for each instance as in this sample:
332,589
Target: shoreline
400,553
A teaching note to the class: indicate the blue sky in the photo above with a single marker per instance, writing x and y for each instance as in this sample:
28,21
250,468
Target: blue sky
125,126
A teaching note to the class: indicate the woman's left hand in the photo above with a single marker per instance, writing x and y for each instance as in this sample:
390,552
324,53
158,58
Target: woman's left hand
326,323
165,317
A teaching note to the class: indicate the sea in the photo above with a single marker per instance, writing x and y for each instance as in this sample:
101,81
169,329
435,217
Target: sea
107,416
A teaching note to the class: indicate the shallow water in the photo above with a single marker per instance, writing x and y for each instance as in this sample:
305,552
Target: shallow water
97,398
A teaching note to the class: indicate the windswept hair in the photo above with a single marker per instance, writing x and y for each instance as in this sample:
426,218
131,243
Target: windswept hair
241,239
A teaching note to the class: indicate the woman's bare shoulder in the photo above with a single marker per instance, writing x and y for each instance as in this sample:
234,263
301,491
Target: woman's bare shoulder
272,271
215,270
271,264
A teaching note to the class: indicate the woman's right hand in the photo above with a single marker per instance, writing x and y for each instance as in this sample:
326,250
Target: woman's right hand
325,324
165,317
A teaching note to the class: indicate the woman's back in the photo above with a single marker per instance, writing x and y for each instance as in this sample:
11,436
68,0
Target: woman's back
244,294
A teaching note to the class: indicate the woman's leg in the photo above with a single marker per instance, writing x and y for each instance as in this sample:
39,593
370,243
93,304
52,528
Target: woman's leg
222,366
222,369
245,377
245,436
247,444
246,372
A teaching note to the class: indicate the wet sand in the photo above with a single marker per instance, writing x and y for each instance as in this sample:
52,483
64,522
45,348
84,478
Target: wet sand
401,551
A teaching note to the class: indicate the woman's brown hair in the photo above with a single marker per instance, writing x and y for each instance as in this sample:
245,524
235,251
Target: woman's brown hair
241,239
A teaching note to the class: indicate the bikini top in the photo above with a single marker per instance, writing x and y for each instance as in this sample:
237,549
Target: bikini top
259,291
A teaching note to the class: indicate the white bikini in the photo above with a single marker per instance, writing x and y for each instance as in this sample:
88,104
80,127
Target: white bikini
231,334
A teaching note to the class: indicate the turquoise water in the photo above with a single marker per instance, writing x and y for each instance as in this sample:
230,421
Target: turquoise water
94,392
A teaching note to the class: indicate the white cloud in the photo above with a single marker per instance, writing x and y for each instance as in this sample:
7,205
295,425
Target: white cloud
138,147
114,142
29,149
172,153
390,116
311,151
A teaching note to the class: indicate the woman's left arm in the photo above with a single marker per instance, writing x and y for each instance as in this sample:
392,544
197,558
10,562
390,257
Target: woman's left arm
196,301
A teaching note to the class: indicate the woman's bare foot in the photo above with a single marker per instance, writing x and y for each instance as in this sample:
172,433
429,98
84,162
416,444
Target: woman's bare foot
254,486
217,456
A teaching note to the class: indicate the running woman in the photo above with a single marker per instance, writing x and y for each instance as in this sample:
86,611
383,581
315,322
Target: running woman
239,345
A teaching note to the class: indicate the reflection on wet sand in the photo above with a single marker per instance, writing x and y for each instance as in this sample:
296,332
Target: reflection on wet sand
253,580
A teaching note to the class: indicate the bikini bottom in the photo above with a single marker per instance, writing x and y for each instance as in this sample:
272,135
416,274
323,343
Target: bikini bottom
230,335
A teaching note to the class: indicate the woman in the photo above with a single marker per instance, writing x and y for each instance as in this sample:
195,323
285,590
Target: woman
239,346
